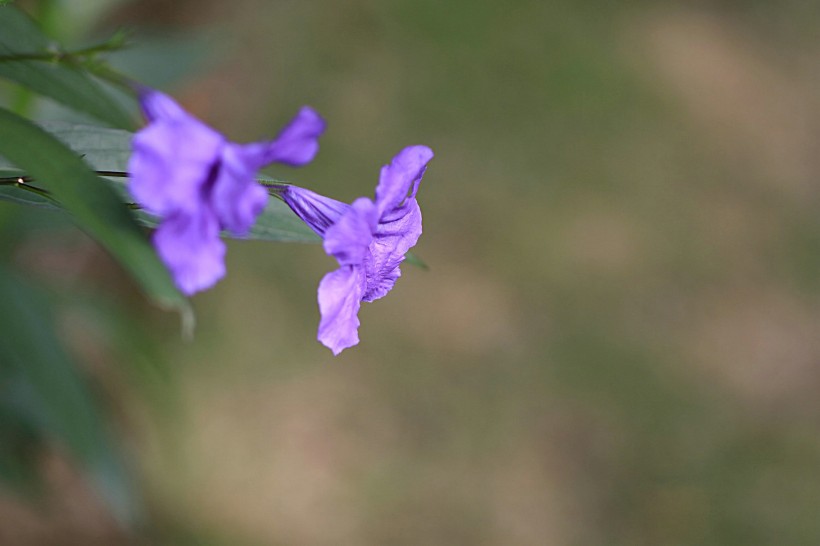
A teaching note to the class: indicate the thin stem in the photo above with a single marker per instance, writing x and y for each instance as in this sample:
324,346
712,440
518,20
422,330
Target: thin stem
53,56
59,55
11,180
274,188
118,41
24,183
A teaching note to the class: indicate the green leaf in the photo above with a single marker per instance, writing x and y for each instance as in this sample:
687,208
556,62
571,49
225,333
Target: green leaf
278,223
184,53
23,197
94,206
68,85
412,259
102,148
43,398
18,447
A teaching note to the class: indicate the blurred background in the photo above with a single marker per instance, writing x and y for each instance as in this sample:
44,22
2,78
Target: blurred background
616,342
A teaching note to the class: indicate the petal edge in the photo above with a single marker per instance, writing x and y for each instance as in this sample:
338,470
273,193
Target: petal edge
340,296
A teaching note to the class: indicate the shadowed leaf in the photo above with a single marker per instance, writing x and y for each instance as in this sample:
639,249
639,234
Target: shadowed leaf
93,205
68,85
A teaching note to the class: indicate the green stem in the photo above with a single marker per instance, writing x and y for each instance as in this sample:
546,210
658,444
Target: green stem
24,183
60,55
274,188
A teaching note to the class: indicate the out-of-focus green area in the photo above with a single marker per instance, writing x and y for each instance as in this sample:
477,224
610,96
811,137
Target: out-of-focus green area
616,343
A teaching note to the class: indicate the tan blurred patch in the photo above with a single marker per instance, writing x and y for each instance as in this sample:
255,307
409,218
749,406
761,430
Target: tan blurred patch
275,461
734,235
460,310
527,502
600,239
761,342
757,110
364,99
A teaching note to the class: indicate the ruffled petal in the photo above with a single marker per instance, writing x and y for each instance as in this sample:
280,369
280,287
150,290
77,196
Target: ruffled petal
317,211
391,242
340,295
348,240
172,160
399,180
190,246
298,141
237,198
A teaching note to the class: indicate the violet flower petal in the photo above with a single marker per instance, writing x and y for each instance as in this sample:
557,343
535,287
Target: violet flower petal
340,295
191,248
400,179
171,160
390,244
348,240
156,105
297,143
236,198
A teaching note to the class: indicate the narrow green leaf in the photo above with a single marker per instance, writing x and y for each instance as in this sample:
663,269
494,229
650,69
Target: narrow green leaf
412,259
43,397
102,148
95,207
23,197
18,448
68,85
278,223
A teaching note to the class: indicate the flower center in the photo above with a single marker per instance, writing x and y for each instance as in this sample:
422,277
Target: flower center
210,180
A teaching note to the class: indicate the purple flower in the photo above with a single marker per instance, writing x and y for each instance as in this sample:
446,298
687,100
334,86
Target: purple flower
198,183
368,238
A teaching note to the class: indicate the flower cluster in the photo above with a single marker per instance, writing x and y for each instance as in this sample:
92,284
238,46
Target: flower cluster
198,183
368,238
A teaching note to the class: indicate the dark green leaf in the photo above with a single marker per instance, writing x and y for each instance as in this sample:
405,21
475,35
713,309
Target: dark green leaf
278,223
18,448
102,148
95,207
65,84
43,398
23,197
